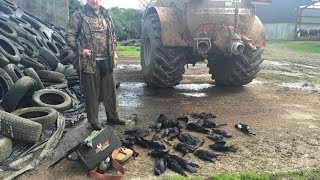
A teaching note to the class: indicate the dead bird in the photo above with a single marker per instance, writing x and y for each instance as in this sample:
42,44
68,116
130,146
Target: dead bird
175,166
171,133
160,166
205,155
210,123
196,128
244,128
183,148
215,137
156,127
190,140
223,148
166,122
205,115
156,153
222,132
190,167
140,132
151,144
156,136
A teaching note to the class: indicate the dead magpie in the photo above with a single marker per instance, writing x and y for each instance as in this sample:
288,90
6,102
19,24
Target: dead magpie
160,166
174,166
140,132
190,140
244,128
156,127
205,115
222,132
183,148
205,155
195,127
215,137
190,167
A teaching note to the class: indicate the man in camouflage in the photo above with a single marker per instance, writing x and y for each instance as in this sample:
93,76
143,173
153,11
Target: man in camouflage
92,27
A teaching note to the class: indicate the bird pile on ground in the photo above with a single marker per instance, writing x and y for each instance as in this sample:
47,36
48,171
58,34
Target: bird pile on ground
167,129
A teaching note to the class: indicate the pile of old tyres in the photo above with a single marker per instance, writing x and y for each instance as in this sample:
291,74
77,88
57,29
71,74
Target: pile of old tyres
33,56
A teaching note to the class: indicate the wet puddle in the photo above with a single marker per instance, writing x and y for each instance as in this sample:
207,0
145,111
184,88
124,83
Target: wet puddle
302,86
192,90
129,93
134,67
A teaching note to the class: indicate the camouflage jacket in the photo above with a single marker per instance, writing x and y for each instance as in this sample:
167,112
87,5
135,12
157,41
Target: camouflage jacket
95,33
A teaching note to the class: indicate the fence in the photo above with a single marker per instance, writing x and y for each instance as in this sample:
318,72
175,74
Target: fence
53,11
280,31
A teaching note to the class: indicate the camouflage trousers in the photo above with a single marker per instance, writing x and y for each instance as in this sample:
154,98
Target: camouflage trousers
100,84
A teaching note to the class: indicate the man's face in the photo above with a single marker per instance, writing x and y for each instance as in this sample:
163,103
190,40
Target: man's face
94,4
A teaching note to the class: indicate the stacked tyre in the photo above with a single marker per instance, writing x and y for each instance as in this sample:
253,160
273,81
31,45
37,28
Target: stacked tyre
33,56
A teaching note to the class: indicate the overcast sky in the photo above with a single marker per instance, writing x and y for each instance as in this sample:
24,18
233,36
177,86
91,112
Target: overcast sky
120,3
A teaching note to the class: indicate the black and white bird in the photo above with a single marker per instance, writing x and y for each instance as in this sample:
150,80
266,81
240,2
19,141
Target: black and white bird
244,128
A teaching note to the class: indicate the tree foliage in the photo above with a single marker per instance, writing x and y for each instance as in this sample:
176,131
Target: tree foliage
74,6
127,22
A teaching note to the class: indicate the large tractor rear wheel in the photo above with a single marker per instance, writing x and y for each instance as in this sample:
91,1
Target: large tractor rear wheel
161,66
237,70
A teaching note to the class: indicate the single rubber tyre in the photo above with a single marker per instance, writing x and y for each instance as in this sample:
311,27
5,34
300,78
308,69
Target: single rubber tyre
3,60
67,56
7,30
5,83
46,116
49,57
51,76
19,93
162,67
19,128
53,98
9,50
32,63
14,72
5,148
29,48
238,70
33,74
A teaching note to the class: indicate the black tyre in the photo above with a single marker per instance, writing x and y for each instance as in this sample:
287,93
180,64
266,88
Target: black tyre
56,36
237,70
7,30
67,56
29,48
49,57
19,128
19,93
60,68
26,31
19,47
36,41
19,21
53,98
51,76
39,59
49,45
14,72
45,33
3,60
70,71
32,73
31,63
6,9
9,50
46,116
5,83
34,23
162,67
10,4
5,148
58,45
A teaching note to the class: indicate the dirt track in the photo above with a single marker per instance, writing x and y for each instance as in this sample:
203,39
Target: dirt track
282,107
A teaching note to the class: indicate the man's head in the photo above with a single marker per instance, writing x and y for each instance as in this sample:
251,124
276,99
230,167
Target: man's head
94,4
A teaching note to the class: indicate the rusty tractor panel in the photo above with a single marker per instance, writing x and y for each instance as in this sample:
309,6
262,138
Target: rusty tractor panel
203,24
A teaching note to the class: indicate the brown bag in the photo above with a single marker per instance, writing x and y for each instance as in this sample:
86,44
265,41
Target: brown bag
106,176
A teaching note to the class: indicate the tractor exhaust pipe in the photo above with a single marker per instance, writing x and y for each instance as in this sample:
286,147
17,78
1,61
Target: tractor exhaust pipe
237,48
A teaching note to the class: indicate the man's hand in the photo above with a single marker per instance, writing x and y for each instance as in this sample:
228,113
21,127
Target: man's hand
86,52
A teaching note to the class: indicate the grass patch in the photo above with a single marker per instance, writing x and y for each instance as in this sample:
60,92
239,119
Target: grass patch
277,77
303,46
128,51
301,175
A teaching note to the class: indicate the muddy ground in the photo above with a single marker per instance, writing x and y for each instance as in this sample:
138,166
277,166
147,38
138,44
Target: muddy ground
281,106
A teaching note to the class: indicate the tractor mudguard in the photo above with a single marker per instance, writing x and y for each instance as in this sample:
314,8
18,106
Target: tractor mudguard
173,33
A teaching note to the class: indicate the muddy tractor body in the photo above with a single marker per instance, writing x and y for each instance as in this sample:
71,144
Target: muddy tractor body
226,33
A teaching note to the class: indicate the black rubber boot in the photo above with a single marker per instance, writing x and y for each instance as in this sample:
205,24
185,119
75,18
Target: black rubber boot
116,121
